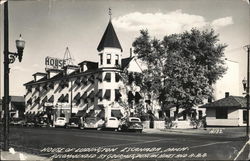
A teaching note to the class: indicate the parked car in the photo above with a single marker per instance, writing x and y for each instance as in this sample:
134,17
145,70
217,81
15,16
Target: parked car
132,124
60,122
112,123
18,123
75,122
93,123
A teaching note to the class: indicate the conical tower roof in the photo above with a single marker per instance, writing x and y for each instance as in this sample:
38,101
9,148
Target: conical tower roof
109,39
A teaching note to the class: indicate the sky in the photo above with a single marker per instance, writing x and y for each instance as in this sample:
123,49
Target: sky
49,26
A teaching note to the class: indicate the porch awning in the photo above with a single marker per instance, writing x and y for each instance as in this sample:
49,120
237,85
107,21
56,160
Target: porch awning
66,98
29,102
116,113
107,94
37,100
107,77
99,77
84,96
91,113
51,99
77,97
91,95
45,99
81,113
60,99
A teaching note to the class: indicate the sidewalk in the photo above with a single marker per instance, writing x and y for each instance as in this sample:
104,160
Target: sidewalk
232,132
13,155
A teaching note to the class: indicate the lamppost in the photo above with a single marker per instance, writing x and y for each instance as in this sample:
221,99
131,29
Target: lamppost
9,58
246,88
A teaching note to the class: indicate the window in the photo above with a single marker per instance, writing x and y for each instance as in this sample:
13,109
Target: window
101,58
117,77
108,77
107,94
244,116
221,113
108,58
116,59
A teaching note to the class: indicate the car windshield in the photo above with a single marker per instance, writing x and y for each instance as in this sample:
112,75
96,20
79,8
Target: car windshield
60,118
112,119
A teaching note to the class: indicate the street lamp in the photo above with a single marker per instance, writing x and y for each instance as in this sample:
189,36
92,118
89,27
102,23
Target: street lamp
9,58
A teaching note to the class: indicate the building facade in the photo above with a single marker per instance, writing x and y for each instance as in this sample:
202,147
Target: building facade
91,89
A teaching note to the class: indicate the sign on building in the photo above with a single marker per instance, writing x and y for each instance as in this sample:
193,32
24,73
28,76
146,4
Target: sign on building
54,63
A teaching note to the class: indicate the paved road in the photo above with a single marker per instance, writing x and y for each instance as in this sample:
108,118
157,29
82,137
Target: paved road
111,145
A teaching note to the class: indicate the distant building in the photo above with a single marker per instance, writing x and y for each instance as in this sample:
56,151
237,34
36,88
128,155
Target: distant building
228,111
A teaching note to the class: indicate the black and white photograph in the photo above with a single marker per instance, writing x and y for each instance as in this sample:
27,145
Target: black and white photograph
122,80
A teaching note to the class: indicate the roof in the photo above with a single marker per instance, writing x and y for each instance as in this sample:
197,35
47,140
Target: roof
109,39
229,102
90,64
126,61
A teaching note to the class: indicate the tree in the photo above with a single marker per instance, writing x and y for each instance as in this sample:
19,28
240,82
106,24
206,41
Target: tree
181,68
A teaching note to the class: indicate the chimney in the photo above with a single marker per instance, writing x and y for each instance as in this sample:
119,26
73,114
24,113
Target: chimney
226,94
131,53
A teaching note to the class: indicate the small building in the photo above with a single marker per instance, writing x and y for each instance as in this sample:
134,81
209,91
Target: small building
228,111
17,107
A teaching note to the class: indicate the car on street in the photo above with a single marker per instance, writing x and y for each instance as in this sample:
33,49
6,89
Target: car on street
18,122
132,124
75,122
112,123
60,122
93,123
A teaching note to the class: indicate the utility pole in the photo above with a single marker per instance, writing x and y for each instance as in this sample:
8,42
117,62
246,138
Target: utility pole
247,90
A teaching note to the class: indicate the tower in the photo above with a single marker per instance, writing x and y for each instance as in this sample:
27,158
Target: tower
110,52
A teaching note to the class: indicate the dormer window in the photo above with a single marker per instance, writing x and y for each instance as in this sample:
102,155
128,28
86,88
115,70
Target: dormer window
101,59
108,58
116,59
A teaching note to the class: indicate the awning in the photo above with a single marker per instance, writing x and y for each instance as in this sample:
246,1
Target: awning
78,81
77,97
81,113
45,99
116,113
137,97
99,94
66,98
64,83
99,77
29,102
117,77
84,96
91,113
91,95
51,99
37,100
107,77
107,94
60,99
91,79
84,80
51,85
117,94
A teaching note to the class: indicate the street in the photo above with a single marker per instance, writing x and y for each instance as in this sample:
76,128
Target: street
60,143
